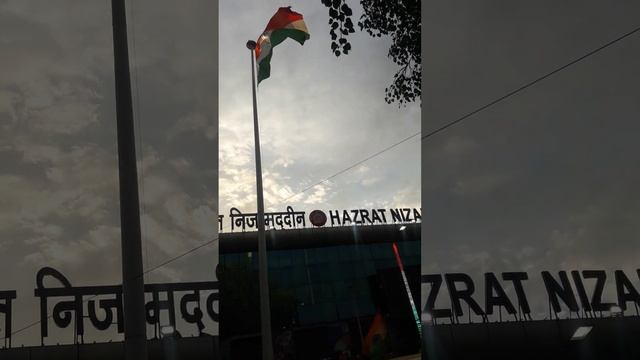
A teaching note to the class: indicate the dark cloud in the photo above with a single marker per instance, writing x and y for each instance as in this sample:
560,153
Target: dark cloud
58,142
546,179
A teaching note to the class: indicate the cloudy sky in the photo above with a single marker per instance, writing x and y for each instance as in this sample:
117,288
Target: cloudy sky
59,185
546,180
318,115
60,207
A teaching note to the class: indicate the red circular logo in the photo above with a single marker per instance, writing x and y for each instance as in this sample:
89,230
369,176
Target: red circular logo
318,218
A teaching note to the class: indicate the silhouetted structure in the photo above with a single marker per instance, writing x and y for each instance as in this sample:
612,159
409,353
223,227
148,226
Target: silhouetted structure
326,286
613,338
192,348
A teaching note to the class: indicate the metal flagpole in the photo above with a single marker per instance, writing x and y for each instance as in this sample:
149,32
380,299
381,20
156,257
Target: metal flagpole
265,308
135,336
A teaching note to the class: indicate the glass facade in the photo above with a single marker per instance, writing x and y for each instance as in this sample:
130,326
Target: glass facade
330,283
322,294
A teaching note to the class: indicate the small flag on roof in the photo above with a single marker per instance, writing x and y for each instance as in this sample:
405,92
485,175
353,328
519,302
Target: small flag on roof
286,23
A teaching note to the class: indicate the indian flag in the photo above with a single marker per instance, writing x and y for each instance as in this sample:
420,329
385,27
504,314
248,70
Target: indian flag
374,341
286,23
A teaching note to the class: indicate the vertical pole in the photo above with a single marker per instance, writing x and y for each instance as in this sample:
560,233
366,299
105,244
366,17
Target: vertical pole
135,338
265,308
357,309
409,295
306,264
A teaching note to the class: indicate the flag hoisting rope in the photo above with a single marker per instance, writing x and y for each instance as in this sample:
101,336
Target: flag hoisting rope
284,24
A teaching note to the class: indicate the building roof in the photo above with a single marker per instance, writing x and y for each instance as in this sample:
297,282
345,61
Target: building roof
237,242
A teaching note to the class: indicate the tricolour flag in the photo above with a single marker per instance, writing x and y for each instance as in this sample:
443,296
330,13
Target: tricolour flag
286,23
375,336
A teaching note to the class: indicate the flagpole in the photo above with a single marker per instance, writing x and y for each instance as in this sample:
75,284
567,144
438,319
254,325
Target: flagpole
265,308
135,337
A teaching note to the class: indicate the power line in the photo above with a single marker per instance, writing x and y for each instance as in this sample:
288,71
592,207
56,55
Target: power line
394,145
164,263
170,260
474,112
353,165
442,128
28,326
531,83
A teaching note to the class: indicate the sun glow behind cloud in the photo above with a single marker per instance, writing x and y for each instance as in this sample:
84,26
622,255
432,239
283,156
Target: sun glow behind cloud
318,115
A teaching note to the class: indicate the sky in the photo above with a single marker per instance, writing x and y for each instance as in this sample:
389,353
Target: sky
59,179
318,115
545,180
